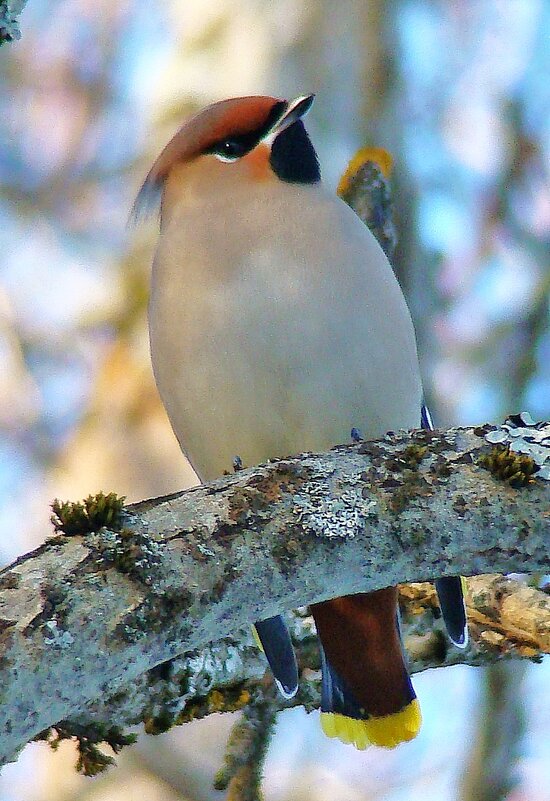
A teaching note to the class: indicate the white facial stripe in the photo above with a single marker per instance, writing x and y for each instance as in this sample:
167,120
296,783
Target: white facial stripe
290,116
226,159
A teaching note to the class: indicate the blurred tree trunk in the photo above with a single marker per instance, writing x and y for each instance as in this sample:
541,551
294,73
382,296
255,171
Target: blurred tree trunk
489,771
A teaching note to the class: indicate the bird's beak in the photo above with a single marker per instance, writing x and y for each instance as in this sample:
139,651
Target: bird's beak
295,110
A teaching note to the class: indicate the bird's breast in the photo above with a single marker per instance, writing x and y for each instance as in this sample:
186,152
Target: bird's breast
276,327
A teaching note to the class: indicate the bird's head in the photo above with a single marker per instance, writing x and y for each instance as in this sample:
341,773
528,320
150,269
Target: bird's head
244,139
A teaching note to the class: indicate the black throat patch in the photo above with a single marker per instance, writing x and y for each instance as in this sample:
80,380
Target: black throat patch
293,157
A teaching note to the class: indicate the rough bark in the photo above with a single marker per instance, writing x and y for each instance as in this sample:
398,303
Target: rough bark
83,617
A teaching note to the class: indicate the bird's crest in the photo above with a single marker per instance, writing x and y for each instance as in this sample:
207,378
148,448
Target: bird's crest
236,117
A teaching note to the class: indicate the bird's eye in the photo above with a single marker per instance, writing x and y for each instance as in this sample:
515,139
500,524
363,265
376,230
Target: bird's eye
230,149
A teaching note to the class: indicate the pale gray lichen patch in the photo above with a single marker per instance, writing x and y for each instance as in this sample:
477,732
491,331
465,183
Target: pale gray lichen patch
300,623
207,668
204,550
196,674
328,514
57,638
136,554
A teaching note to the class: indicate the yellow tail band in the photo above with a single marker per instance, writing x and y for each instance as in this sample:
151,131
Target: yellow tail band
387,731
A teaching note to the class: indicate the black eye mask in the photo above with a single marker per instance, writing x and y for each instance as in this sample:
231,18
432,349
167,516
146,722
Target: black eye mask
293,158
234,147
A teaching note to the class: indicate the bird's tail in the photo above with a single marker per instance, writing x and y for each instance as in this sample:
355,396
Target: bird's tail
367,696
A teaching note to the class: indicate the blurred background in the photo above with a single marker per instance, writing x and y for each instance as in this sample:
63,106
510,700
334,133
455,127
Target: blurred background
459,92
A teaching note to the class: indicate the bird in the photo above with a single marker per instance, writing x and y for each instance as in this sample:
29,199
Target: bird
276,324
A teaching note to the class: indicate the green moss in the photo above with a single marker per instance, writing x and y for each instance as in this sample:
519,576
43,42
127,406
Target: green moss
413,487
91,514
159,724
514,469
91,760
413,455
229,699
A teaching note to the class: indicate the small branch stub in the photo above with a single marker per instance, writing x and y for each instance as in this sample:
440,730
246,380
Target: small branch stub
9,26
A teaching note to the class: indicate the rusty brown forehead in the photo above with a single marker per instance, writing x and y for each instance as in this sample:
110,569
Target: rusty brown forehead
236,116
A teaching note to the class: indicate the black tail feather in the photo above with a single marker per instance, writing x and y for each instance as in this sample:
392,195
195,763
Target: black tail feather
449,588
453,609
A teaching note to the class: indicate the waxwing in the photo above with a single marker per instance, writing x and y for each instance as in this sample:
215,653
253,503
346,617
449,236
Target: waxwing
276,326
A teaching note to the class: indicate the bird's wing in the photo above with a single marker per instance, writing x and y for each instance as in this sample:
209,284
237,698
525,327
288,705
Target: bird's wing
273,637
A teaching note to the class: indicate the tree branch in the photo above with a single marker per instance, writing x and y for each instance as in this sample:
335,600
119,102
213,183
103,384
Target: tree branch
84,618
